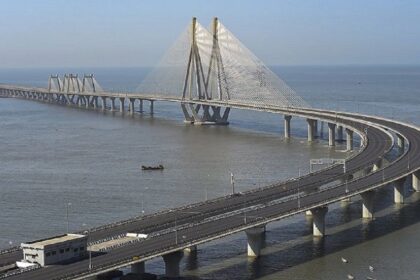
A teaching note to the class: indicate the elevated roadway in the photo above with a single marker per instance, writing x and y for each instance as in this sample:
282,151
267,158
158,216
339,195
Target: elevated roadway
202,222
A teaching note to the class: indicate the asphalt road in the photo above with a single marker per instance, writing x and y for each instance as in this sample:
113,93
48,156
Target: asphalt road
198,216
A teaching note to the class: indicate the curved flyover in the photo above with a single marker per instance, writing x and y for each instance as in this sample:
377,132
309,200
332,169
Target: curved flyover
214,219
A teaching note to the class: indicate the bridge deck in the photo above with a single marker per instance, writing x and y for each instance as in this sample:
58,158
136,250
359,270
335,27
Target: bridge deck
217,218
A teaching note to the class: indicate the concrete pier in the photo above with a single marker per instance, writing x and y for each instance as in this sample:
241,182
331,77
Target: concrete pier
399,191
287,126
172,261
112,103
331,134
416,181
138,268
131,105
255,240
310,129
339,133
190,250
141,105
121,104
316,128
151,107
400,142
103,99
318,222
377,166
367,204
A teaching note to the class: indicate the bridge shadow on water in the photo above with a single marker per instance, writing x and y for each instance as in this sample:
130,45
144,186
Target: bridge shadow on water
290,243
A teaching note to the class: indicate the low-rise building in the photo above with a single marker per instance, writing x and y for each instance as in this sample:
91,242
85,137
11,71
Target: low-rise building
56,249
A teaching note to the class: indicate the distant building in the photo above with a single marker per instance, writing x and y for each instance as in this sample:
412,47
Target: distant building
55,249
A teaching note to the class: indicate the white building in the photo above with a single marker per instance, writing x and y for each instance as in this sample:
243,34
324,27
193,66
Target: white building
55,249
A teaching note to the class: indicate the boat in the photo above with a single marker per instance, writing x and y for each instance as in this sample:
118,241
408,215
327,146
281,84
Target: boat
159,167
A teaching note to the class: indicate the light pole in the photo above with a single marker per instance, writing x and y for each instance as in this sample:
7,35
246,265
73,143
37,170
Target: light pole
347,187
298,192
232,182
408,167
176,232
175,218
142,204
86,232
68,204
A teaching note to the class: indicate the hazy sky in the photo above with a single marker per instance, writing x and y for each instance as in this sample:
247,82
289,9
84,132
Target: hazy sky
136,33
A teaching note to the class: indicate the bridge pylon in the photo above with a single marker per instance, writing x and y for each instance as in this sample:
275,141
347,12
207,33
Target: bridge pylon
201,86
55,83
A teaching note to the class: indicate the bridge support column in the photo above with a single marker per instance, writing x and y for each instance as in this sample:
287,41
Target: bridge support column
349,139
255,240
141,105
331,134
367,202
112,103
172,261
131,105
377,166
344,180
138,268
287,126
122,99
399,191
103,99
318,215
79,100
416,181
191,249
95,102
86,101
400,142
310,129
339,133
151,107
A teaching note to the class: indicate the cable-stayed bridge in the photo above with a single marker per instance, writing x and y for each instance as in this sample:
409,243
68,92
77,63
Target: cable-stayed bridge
209,71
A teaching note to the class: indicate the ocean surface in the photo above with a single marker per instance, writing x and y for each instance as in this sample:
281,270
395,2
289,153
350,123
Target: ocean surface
53,155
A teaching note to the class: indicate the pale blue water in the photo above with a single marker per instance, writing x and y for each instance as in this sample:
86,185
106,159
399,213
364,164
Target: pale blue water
51,155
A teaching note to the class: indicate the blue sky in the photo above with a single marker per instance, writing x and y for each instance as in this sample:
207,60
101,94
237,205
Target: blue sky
137,33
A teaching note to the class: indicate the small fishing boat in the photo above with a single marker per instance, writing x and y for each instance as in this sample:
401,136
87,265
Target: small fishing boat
344,260
159,167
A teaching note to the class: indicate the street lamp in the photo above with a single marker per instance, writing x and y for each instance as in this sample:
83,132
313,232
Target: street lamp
232,182
142,204
298,192
176,227
347,187
86,232
67,215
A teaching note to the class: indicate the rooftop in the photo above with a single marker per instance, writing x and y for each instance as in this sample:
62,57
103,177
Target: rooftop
54,240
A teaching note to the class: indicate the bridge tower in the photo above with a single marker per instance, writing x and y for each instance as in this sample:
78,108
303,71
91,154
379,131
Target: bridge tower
55,83
198,86
71,83
89,83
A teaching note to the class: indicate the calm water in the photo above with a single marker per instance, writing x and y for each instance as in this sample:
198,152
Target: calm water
52,155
